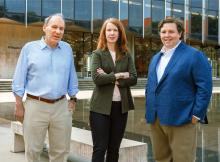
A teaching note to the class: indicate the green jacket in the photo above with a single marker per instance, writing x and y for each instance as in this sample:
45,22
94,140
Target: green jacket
101,99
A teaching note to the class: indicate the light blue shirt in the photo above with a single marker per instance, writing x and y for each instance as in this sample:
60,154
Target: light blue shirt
164,60
44,71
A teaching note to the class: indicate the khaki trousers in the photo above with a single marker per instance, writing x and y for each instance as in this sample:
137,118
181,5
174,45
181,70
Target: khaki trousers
174,143
40,118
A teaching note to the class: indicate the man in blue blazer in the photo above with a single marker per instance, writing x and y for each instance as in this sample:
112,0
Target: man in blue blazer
177,94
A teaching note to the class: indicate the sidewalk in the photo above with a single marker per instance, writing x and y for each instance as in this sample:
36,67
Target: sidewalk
5,142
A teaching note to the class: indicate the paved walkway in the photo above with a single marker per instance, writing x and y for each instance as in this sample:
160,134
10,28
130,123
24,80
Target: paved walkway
8,96
5,142
7,156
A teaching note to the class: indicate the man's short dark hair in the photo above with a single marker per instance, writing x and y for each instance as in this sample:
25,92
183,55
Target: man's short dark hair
179,25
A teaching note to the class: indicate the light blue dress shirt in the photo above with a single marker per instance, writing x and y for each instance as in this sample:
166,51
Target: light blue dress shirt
164,60
44,71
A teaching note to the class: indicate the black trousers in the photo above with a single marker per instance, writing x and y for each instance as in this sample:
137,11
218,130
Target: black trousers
107,133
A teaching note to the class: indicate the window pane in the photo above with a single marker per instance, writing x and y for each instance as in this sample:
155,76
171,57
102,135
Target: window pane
196,19
147,17
83,13
97,14
110,8
68,9
83,44
75,39
1,2
136,16
33,11
50,7
124,12
15,10
178,9
158,7
2,8
168,8
212,14
144,51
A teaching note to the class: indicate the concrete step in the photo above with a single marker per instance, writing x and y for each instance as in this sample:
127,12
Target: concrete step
84,84
5,90
87,84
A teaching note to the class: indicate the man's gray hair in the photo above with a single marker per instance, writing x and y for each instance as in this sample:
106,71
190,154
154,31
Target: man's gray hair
47,19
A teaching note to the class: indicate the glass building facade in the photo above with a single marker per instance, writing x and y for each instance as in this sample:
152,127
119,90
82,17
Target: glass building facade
85,17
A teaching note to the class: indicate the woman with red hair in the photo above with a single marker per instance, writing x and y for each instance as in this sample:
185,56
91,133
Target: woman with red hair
113,73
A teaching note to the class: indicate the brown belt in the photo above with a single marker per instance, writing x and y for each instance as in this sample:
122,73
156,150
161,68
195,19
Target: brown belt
51,101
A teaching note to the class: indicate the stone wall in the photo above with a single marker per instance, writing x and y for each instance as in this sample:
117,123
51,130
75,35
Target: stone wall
13,36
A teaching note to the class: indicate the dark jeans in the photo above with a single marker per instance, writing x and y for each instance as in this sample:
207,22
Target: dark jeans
107,133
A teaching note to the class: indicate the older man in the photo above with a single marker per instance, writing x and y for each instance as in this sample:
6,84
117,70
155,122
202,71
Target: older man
46,72
178,91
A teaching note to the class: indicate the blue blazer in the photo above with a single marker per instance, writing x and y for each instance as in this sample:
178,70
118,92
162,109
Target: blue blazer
184,89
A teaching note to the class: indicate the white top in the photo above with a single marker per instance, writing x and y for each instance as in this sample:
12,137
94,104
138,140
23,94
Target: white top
116,94
164,60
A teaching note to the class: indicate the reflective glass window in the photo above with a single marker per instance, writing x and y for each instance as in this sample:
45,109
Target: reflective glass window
196,19
87,51
110,9
124,12
158,7
135,21
144,51
1,2
83,13
2,6
83,44
147,17
33,11
168,8
15,10
212,15
68,9
177,9
214,59
75,39
50,7
97,14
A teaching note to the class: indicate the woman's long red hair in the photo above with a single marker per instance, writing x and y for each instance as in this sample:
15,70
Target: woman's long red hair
121,45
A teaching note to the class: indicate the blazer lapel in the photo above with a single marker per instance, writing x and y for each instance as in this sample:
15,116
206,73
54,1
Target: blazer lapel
108,57
154,66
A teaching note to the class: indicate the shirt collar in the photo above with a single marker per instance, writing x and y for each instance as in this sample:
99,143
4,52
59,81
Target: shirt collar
43,44
170,50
